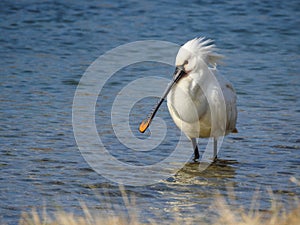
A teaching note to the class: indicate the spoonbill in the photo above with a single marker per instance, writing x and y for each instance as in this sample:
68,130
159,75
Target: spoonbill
201,102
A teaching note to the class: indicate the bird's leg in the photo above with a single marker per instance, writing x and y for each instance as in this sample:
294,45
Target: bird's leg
196,151
215,156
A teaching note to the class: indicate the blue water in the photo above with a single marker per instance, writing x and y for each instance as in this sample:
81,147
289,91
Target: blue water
46,46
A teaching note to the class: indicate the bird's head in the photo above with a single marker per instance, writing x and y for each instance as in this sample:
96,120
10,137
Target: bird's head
186,59
195,54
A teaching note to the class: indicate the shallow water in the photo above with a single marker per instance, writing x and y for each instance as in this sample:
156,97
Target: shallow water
46,47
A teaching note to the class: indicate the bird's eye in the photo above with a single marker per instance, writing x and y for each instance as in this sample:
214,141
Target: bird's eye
185,62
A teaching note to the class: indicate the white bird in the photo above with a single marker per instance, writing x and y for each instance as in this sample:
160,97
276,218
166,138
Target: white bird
201,102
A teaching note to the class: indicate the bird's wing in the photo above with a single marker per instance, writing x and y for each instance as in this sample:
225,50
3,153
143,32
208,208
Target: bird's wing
230,100
223,104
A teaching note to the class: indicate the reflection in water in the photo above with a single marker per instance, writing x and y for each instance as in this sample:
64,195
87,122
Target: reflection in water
193,172
193,191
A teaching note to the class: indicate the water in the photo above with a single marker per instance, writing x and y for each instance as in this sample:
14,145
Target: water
47,45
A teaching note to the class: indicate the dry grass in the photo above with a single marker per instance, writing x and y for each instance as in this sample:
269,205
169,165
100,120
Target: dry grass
62,218
276,215
227,215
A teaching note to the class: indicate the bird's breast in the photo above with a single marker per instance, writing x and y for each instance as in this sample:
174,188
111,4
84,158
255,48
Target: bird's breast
187,101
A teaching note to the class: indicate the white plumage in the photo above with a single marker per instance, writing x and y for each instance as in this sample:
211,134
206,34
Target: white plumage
199,91
201,102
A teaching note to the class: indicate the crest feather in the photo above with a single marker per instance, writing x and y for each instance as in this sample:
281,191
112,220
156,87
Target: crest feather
205,49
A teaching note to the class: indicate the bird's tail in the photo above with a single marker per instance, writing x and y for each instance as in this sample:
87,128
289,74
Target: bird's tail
234,131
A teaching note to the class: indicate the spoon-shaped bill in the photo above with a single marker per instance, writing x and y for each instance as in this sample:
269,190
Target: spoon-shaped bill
144,125
179,72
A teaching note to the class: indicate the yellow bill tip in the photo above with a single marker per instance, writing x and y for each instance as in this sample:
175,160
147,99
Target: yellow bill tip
144,125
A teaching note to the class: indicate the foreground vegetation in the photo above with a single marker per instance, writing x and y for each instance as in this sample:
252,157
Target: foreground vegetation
227,215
